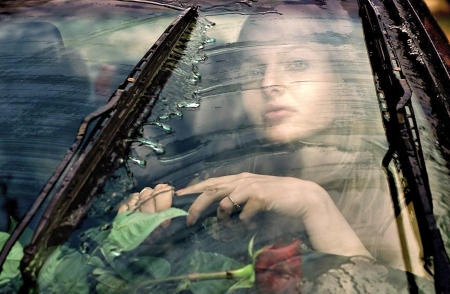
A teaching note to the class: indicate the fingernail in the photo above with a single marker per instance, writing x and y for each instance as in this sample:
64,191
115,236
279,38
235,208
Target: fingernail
179,192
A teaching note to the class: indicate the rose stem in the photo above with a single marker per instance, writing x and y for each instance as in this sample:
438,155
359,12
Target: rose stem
235,274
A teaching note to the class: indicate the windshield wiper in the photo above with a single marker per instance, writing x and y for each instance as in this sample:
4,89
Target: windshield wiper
100,147
385,25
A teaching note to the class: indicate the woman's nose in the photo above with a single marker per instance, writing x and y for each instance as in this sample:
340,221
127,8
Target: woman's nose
273,82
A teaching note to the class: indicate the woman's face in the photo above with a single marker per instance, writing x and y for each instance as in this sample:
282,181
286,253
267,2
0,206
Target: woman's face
287,90
288,86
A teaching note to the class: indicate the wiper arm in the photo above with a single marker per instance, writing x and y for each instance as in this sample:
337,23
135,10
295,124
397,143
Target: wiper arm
97,151
395,93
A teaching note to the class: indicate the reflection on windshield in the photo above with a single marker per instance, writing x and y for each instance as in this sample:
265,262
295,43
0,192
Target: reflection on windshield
276,126
45,93
58,64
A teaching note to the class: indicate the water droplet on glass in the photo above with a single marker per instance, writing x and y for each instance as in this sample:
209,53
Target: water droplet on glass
186,104
158,148
165,127
138,161
84,247
105,227
211,40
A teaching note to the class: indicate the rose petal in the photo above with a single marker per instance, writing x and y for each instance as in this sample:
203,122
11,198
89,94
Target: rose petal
274,254
278,268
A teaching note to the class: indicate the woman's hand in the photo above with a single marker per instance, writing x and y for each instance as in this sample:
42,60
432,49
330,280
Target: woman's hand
327,228
150,200
283,195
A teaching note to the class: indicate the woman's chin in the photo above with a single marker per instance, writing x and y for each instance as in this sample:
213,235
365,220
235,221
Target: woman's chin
288,133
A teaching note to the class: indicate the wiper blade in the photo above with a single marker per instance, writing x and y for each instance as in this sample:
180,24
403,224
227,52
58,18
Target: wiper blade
381,21
97,151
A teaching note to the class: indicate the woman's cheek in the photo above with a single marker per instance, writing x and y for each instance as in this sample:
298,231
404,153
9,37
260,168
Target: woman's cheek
253,104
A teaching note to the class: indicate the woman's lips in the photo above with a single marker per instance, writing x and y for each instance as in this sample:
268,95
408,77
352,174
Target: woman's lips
276,113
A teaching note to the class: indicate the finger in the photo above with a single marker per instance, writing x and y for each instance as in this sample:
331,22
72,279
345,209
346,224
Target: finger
148,205
226,207
163,200
161,188
251,208
132,201
206,199
148,198
203,186
144,195
165,224
129,203
122,208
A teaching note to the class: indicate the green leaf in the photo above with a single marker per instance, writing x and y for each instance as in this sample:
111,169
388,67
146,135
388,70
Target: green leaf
97,234
12,225
183,286
130,229
101,271
159,268
141,268
11,265
25,236
96,262
110,252
250,246
110,283
64,272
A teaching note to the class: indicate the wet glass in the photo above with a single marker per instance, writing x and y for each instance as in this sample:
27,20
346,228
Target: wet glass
279,90
60,62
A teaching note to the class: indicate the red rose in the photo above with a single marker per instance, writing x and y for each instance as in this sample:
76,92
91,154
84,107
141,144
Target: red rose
278,268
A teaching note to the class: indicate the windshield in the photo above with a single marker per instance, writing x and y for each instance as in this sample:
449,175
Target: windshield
59,63
258,169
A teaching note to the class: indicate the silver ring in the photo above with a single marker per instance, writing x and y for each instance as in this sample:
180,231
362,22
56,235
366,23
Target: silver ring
234,203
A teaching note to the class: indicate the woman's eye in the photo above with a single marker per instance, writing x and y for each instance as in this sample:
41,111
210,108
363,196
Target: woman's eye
252,76
255,73
298,65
